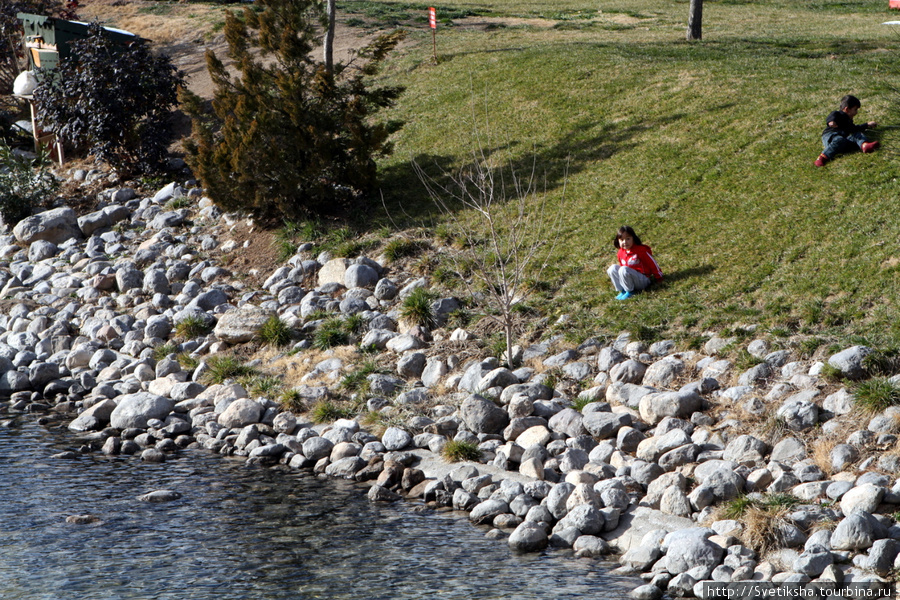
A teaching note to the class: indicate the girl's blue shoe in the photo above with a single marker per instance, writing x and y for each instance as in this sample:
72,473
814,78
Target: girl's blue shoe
624,296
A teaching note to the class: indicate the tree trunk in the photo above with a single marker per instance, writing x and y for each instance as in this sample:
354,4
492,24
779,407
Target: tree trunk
695,21
507,330
329,37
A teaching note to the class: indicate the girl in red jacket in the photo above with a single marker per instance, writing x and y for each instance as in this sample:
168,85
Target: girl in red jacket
636,269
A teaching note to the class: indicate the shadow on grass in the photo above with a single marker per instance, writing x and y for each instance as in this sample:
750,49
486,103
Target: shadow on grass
547,167
686,274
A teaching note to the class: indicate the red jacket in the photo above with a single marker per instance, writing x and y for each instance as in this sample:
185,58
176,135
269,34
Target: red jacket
640,258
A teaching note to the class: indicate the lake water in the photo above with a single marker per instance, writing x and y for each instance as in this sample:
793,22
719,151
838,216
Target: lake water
243,532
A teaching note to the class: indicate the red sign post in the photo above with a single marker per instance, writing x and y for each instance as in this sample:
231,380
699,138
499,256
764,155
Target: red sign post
432,22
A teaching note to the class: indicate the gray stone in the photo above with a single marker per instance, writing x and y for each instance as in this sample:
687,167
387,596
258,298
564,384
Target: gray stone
94,418
655,407
812,564
240,325
135,410
674,502
411,365
55,226
528,537
567,421
604,425
788,450
855,532
798,414
487,510
483,416
500,377
630,371
317,448
558,498
882,555
842,456
585,518
640,558
850,361
839,403
689,548
745,449
755,375
240,413
360,276
160,496
395,438
864,498
663,373
646,592
590,546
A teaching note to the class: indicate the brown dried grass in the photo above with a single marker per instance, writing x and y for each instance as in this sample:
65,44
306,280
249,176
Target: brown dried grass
821,453
294,368
761,529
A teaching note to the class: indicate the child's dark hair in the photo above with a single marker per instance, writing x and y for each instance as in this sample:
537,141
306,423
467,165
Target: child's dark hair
849,101
623,231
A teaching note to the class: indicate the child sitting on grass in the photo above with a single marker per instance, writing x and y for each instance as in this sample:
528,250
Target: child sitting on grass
636,268
842,135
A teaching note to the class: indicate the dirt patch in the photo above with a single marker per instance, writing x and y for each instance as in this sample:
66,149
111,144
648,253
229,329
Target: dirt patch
255,255
186,32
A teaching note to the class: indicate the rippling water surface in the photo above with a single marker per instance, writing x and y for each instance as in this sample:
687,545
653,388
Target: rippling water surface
243,532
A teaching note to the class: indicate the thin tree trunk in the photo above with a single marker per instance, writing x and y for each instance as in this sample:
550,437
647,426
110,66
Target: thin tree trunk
695,21
329,37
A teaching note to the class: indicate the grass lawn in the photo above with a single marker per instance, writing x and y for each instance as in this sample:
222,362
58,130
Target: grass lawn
705,148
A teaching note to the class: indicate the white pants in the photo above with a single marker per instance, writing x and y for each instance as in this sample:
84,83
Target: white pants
626,279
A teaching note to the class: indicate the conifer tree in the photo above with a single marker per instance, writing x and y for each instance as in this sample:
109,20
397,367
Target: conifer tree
287,138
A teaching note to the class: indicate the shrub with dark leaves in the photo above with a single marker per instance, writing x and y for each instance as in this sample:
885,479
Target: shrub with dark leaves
112,100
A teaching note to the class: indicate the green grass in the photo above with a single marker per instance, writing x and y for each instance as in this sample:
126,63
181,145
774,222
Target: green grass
416,308
327,412
180,202
876,394
356,380
264,385
187,362
225,366
164,350
275,332
292,400
737,507
579,403
400,247
331,333
192,326
744,360
456,451
831,373
705,148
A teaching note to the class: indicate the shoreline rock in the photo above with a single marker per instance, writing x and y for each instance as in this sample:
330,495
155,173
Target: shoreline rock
633,450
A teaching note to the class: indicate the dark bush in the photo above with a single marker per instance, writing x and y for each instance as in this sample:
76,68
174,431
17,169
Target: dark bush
288,138
112,100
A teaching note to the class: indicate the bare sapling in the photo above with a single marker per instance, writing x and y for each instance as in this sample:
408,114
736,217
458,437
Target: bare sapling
507,231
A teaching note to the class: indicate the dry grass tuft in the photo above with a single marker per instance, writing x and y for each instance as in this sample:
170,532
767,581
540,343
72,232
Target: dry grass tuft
762,529
294,368
821,453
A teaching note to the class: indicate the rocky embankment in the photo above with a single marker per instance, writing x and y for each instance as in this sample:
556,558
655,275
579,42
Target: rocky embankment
690,469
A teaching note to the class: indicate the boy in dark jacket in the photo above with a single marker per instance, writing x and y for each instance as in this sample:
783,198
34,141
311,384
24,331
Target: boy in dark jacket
842,135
